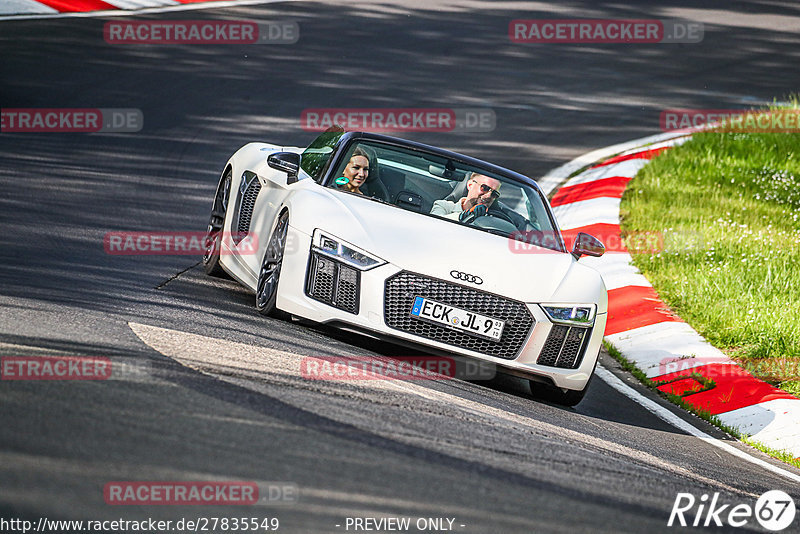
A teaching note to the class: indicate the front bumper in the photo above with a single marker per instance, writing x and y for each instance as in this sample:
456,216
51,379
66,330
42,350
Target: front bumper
382,307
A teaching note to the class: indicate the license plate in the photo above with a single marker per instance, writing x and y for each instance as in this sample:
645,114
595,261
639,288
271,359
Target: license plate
474,323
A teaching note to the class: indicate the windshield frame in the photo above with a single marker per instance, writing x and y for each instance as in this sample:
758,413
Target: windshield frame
343,147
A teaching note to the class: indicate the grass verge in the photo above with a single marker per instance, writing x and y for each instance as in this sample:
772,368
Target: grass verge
727,207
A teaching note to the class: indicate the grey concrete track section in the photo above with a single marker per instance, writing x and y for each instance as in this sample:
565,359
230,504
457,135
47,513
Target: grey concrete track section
207,389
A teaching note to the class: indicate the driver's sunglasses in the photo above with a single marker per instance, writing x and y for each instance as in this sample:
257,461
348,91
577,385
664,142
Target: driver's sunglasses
485,189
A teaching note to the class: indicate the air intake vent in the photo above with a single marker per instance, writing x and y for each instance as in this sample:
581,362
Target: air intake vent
564,346
246,204
333,283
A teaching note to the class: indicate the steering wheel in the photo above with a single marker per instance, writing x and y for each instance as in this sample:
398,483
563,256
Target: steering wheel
501,215
496,220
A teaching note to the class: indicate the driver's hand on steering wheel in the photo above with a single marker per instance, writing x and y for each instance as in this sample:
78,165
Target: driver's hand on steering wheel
469,204
473,213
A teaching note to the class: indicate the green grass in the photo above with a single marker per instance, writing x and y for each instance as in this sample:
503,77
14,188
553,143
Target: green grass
782,455
727,206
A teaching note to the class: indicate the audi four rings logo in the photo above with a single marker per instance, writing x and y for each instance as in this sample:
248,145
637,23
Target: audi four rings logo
458,275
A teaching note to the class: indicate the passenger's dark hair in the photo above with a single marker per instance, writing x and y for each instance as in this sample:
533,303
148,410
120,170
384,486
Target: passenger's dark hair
361,152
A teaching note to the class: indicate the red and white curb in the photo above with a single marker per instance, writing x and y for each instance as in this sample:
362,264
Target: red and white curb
34,9
642,327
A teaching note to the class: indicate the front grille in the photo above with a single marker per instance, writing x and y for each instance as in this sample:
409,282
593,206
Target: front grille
564,346
246,205
404,286
333,283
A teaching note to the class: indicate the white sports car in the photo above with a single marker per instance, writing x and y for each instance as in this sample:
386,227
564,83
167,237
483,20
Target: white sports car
400,240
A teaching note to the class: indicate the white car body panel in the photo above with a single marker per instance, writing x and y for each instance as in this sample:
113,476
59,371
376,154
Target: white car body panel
411,242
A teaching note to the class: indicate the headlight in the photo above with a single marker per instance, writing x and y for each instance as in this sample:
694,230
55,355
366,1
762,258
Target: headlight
334,247
570,314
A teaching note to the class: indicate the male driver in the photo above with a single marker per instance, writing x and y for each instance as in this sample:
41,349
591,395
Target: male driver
481,193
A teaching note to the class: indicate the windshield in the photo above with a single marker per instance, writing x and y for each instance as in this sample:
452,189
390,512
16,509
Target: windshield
314,158
433,185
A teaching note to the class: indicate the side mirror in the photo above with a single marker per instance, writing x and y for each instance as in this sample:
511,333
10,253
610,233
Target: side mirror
587,245
288,162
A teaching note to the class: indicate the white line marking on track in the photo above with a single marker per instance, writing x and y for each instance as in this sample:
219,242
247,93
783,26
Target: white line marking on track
216,357
662,413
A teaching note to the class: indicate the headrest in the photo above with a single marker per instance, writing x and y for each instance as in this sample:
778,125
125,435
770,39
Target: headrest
460,189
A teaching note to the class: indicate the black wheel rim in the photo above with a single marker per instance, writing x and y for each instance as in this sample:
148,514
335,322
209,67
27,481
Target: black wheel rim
271,265
217,219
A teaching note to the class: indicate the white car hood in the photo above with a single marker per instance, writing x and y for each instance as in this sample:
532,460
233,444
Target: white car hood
434,247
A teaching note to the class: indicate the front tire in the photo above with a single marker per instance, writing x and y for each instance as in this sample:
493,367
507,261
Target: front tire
548,393
551,393
270,272
213,242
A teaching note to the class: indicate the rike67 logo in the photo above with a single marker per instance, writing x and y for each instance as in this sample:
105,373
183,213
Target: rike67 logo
774,511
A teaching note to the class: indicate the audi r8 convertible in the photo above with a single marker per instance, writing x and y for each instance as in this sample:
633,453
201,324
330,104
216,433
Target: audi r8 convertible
368,233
